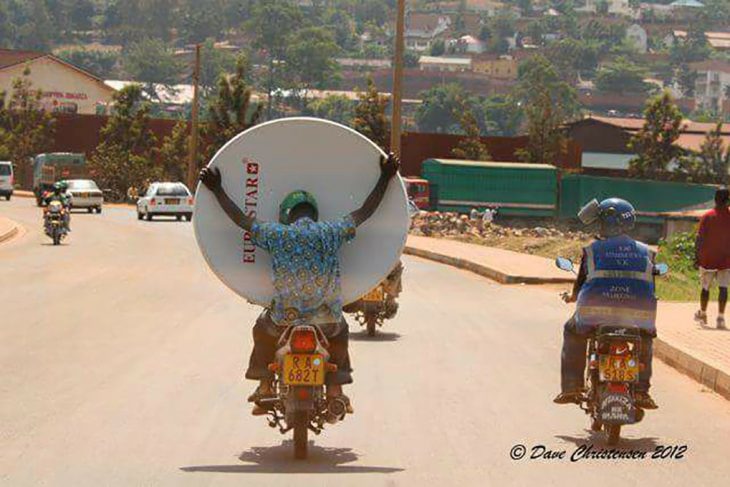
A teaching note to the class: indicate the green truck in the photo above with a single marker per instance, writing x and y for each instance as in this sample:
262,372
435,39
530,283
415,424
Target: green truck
513,188
51,167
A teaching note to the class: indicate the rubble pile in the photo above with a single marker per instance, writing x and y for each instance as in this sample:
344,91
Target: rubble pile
438,224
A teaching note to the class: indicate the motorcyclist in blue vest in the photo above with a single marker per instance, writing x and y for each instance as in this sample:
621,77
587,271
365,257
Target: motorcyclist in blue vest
615,285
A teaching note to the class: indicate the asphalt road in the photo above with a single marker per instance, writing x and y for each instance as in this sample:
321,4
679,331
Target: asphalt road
121,362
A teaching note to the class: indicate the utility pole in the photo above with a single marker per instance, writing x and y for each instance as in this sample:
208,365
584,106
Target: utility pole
193,154
395,125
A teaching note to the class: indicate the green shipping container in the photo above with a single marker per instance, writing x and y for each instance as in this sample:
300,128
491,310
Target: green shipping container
648,197
514,188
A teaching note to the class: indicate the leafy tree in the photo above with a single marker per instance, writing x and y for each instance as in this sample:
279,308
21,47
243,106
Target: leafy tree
81,14
201,20
370,117
712,162
548,102
471,146
525,7
654,144
213,63
271,23
622,76
311,58
410,59
123,158
173,153
440,103
151,62
438,48
337,108
98,63
501,27
502,115
686,78
25,128
231,111
602,7
36,31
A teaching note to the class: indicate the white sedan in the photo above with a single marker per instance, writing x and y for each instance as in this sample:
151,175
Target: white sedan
84,193
166,199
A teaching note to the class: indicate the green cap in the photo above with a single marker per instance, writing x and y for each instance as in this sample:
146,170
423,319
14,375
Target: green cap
293,200
60,185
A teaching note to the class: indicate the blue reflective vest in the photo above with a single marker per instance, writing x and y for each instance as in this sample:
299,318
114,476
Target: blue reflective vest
619,288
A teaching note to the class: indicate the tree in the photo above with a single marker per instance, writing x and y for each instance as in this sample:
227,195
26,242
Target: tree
337,108
173,153
410,59
231,110
654,144
98,63
711,163
271,23
438,48
151,62
502,115
25,128
370,118
471,146
436,113
311,58
123,158
548,102
201,20
622,76
213,63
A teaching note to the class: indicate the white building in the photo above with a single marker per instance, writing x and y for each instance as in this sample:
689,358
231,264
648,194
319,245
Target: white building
636,36
422,30
615,7
712,85
468,44
442,63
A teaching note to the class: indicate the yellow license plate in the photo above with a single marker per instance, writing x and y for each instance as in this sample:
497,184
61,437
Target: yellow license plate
376,295
618,369
303,370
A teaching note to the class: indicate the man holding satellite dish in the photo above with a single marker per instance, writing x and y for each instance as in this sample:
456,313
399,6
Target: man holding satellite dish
306,274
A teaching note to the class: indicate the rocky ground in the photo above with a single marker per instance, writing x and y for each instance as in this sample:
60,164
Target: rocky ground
539,237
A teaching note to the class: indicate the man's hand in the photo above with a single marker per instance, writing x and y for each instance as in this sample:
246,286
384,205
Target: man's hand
389,165
211,178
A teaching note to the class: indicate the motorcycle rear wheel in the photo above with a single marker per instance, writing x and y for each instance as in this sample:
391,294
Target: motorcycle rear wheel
56,238
301,431
613,431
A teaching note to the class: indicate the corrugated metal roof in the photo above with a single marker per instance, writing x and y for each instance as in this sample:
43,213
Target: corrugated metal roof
511,165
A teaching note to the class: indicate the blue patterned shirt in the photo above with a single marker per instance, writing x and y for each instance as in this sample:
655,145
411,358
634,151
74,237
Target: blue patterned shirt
306,268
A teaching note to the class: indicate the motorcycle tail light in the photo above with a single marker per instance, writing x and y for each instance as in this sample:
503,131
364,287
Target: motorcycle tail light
303,341
190,201
303,394
618,388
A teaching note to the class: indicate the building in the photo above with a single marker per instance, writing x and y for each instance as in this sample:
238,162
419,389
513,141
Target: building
720,41
604,141
615,7
712,85
468,45
65,87
443,63
423,29
636,36
493,66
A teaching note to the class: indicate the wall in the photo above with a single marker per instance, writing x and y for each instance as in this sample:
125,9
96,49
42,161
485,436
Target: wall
61,84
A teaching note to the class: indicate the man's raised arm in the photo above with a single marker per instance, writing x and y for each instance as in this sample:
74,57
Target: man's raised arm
388,168
211,178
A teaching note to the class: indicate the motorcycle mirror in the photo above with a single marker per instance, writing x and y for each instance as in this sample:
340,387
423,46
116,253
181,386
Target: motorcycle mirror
661,269
564,264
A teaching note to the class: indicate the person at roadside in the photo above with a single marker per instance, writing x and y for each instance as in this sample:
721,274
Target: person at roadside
306,275
712,256
59,194
613,262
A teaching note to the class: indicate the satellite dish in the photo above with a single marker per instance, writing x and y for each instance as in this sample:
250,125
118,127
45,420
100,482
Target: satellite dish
263,164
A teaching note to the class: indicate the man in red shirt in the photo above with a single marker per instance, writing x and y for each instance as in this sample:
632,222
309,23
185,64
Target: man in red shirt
712,255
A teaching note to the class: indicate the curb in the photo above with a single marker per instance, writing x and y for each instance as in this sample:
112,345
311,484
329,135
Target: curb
483,270
683,362
707,375
14,229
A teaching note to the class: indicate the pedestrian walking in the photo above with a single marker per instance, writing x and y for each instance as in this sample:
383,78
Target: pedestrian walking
712,256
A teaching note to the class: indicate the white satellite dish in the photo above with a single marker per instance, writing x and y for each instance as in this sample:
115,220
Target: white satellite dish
339,166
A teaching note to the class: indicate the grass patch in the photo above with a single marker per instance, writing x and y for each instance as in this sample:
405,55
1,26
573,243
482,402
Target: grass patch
682,283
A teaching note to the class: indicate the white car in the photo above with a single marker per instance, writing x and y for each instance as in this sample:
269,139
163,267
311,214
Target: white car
166,199
84,193
6,179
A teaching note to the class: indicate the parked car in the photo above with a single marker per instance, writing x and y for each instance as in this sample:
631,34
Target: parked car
166,199
84,193
6,179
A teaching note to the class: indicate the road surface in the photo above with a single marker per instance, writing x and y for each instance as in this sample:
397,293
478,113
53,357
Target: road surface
122,359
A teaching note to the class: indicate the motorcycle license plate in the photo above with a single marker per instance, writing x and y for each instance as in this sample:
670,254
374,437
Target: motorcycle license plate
171,201
303,370
374,296
618,368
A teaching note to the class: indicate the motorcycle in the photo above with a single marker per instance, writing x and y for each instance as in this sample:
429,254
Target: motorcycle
379,304
612,373
299,402
54,216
